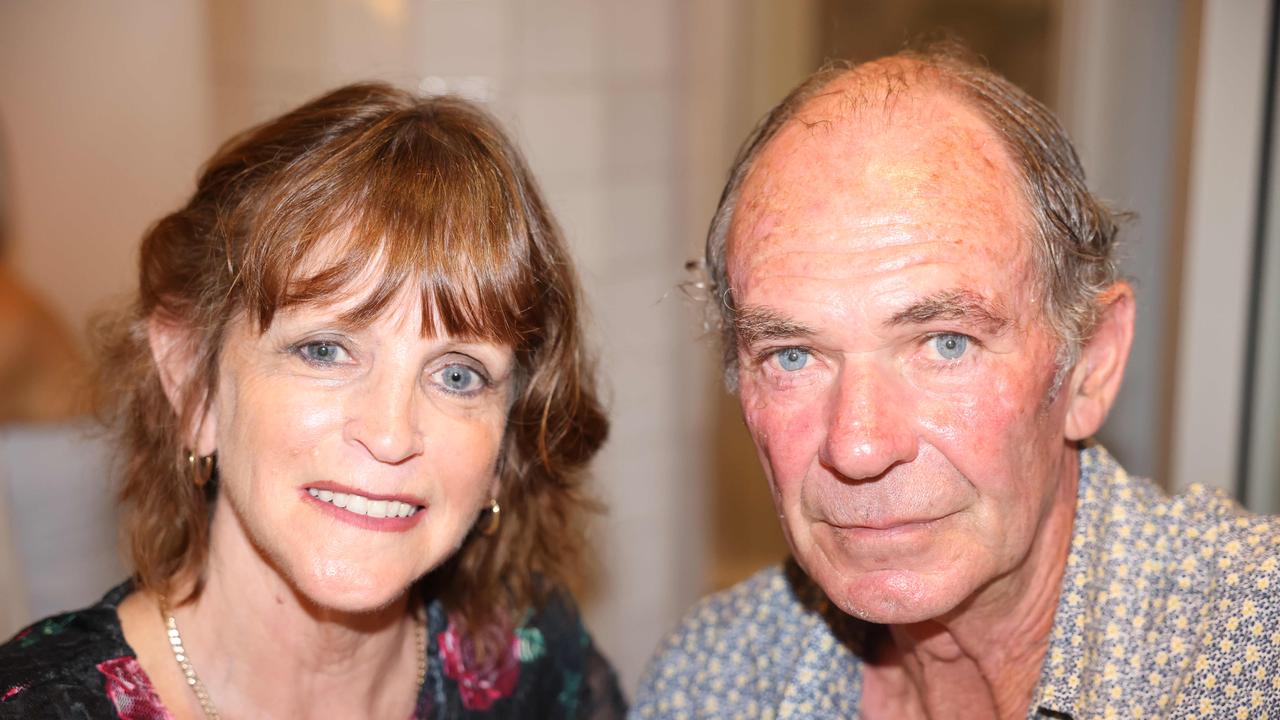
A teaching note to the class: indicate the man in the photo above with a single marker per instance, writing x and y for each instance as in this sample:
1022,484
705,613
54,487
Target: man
924,326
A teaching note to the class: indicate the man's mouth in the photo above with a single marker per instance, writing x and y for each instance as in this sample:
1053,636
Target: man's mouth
890,523
361,505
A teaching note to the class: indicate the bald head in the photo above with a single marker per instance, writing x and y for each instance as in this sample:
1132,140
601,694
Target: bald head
1071,233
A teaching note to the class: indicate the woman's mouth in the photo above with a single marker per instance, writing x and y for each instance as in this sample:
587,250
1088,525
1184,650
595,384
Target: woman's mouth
368,507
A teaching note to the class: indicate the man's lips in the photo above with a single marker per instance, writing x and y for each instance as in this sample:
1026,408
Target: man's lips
901,524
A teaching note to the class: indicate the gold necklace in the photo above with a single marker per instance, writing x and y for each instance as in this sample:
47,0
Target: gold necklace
202,695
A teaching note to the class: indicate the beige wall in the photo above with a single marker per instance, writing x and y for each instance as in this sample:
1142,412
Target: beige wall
105,117
768,47
1126,88
1220,224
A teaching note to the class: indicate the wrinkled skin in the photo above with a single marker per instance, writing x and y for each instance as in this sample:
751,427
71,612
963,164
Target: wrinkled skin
906,480
897,376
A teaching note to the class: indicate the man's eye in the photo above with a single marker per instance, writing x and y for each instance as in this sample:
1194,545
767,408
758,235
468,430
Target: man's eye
323,352
950,346
792,359
460,379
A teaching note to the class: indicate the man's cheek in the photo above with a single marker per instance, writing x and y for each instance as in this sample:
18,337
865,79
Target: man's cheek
787,436
977,419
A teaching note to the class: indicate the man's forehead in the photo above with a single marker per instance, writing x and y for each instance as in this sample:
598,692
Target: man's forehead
928,134
843,166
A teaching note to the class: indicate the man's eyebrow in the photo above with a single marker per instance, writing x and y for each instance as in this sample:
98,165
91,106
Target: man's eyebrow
963,305
754,324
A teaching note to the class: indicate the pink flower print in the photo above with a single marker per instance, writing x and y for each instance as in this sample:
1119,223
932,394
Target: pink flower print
479,685
130,690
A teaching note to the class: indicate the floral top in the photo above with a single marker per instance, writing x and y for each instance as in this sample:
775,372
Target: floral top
78,665
1169,608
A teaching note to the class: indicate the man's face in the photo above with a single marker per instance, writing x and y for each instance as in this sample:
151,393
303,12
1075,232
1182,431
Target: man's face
895,370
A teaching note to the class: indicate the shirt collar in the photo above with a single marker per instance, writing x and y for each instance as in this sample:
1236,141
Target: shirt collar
1057,693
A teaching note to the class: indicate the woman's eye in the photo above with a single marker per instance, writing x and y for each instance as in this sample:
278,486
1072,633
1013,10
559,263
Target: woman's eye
323,352
950,346
792,359
460,379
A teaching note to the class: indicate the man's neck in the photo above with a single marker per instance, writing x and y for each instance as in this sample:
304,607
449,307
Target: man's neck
983,659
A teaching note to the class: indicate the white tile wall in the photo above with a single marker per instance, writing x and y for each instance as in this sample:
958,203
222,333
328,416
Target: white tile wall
557,39
562,133
643,37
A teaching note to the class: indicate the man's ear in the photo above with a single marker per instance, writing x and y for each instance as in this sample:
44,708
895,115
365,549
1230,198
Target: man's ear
1095,380
173,350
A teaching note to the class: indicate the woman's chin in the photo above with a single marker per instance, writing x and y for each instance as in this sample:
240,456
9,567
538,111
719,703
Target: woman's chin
352,592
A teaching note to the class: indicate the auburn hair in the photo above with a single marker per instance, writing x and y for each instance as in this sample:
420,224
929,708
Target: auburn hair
425,191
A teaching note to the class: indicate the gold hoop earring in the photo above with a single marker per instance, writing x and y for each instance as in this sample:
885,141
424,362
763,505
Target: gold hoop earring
495,518
201,468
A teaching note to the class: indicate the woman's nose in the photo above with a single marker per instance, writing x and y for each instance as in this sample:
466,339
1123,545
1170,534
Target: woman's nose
383,419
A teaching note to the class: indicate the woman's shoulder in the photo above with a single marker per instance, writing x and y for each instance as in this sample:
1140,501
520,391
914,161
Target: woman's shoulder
556,630
549,667
599,696
65,661
560,624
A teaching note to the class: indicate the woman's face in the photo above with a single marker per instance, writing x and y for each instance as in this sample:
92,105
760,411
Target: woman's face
355,460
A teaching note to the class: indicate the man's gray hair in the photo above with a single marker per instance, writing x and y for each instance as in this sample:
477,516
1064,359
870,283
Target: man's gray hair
1075,232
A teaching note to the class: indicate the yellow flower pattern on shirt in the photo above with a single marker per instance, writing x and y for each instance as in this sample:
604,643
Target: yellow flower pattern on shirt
1169,608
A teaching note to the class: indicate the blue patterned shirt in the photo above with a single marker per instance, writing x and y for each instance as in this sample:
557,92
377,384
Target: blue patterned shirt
1169,608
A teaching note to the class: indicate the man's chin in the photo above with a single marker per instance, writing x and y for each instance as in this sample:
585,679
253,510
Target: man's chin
891,597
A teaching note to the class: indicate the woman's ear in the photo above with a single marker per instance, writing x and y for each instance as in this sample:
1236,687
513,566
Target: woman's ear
173,350
1095,380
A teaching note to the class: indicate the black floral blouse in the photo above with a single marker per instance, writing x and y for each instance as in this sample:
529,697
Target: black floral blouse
78,665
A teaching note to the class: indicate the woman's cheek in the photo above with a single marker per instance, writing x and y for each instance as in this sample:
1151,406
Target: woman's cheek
463,448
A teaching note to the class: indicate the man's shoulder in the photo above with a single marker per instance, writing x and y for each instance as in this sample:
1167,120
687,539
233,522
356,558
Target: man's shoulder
1167,600
1204,518
750,647
1199,543
1223,531
758,610
717,646
1228,560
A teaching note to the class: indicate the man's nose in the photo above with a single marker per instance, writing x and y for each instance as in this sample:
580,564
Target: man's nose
383,418
869,427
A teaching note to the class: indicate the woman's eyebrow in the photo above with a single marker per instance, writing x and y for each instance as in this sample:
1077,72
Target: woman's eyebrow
954,304
753,324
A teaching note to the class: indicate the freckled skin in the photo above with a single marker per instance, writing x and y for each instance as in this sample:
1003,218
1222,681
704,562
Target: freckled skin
379,421
910,487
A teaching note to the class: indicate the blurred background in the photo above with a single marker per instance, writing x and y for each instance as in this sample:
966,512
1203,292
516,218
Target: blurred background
630,112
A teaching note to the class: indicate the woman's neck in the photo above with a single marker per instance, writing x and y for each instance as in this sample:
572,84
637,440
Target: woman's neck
262,650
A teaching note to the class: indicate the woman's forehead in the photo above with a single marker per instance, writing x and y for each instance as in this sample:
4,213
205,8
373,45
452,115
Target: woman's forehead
374,293
471,277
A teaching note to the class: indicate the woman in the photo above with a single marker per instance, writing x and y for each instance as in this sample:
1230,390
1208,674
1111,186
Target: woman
354,406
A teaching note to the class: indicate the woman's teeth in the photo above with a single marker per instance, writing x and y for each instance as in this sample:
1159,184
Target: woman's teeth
361,505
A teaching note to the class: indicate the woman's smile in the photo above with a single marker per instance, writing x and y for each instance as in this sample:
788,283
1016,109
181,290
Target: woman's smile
397,513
